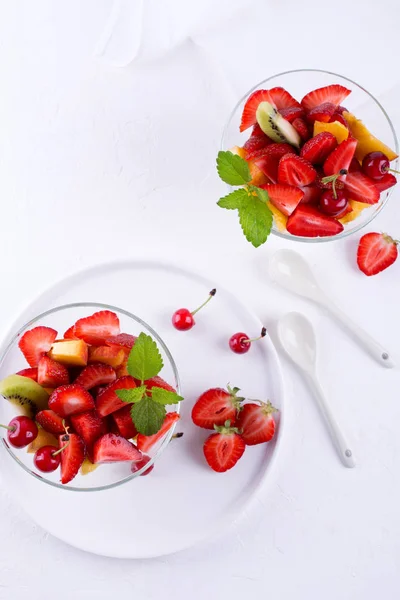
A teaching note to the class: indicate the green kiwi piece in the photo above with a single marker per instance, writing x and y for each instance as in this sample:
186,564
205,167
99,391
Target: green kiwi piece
24,393
275,126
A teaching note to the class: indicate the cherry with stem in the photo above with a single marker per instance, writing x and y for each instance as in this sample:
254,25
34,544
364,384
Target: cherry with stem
183,318
240,342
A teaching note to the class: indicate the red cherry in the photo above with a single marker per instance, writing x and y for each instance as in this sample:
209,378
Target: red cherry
47,458
333,202
240,342
21,431
376,165
182,319
139,464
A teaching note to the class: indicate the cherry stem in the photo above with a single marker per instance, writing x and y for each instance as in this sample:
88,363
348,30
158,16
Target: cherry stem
12,428
177,435
62,448
263,334
393,171
211,295
333,179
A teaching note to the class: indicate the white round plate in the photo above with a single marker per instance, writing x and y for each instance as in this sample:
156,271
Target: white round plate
182,501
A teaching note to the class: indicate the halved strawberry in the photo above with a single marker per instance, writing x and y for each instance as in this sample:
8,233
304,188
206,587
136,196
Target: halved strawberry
340,118
136,466
32,373
36,342
256,423
281,99
296,171
322,112
302,128
292,113
90,426
318,148
267,160
50,421
114,448
312,194
354,165
72,456
387,181
146,442
376,252
223,449
216,406
122,340
159,382
331,93
94,375
108,355
256,141
107,401
307,221
70,400
278,97
341,157
70,334
124,423
97,328
361,188
284,197
52,373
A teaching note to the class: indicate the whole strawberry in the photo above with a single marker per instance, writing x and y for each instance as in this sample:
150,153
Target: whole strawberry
223,449
216,406
376,252
256,423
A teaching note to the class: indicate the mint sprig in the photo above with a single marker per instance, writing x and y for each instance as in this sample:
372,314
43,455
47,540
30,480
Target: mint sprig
232,168
148,416
145,360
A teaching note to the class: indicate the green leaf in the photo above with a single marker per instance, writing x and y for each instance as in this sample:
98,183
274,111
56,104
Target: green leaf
234,200
144,361
232,169
256,221
165,396
262,194
148,416
131,395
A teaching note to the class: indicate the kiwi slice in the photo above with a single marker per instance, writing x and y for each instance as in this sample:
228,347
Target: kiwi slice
275,126
25,393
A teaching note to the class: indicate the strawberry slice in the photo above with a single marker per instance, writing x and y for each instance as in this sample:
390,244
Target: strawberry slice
72,456
32,373
361,188
341,157
216,406
281,99
322,113
123,422
97,328
284,197
50,421
387,181
107,401
108,355
376,252
89,426
307,221
337,116
114,448
94,375
70,400
122,340
278,97
223,449
292,113
159,382
256,423
312,194
330,93
70,334
36,342
302,129
146,442
52,373
136,466
256,141
296,171
318,148
267,160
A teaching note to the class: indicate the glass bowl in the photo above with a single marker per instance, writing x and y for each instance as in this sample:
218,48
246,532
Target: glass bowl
61,318
360,102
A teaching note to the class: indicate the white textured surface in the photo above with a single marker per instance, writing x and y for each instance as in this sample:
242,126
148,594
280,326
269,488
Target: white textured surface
91,160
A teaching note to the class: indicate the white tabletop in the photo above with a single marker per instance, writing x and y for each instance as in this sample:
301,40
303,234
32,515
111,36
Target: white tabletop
99,163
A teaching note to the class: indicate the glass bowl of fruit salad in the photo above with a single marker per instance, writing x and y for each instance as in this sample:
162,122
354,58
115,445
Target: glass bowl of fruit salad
89,397
316,149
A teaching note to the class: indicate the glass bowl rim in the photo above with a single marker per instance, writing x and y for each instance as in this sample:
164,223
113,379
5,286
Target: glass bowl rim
344,233
150,329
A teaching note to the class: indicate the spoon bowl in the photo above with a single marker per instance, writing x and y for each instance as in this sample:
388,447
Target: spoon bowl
297,337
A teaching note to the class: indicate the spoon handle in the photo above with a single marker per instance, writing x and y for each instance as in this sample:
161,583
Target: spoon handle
342,447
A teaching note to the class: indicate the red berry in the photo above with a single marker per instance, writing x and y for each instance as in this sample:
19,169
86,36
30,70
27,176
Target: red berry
46,459
21,431
331,205
375,165
182,319
139,464
240,342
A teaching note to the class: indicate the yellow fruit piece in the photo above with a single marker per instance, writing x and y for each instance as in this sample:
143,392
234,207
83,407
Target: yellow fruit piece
87,467
357,207
70,352
44,438
257,176
280,219
337,129
239,151
366,141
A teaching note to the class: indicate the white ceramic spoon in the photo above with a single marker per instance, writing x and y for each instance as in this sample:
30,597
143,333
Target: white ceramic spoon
296,334
291,271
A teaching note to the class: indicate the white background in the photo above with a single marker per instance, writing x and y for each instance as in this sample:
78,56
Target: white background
99,163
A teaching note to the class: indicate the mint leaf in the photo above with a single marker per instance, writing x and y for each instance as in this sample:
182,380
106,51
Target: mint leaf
256,221
234,200
131,395
148,416
165,396
144,361
232,169
262,194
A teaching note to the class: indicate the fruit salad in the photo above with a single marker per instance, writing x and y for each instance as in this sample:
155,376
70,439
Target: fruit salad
90,397
308,167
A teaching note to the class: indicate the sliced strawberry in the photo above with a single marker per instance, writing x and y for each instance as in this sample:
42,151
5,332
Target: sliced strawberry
256,141
250,108
292,113
267,160
318,148
281,99
387,181
123,340
90,426
296,171
97,328
256,423
36,342
322,113
52,373
307,221
136,466
341,157
330,93
108,355
376,252
70,400
107,401
223,449
340,118
124,423
216,406
159,382
50,421
284,197
302,128
94,375
354,165
72,456
32,373
146,442
312,194
70,334
114,448
361,188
